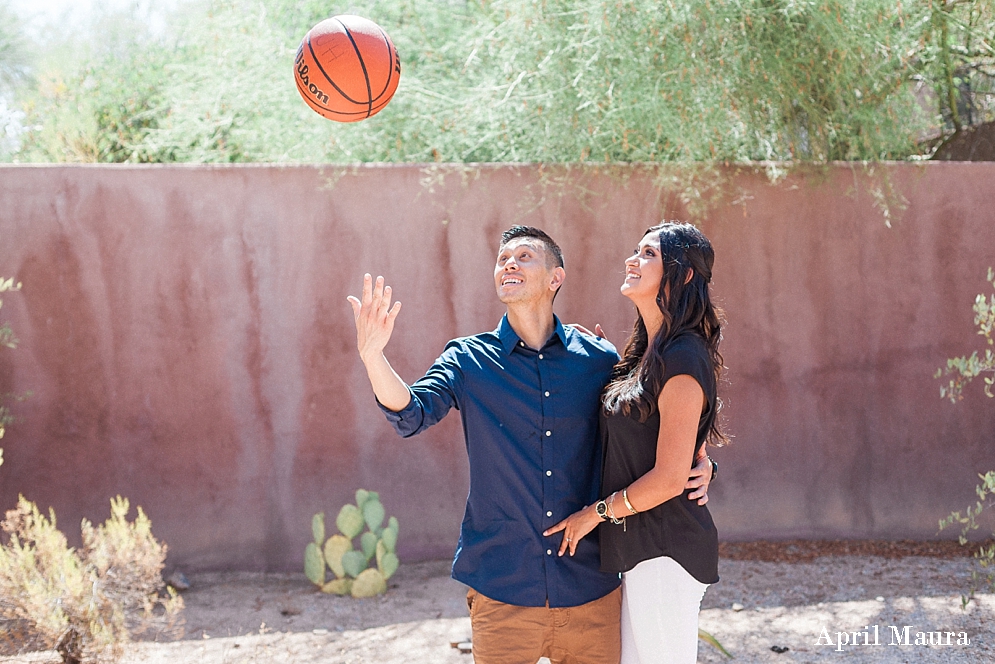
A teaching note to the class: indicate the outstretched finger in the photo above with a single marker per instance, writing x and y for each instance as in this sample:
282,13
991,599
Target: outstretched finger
377,293
385,303
555,529
367,289
392,314
357,306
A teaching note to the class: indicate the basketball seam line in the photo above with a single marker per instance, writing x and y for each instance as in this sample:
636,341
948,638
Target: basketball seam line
390,72
369,91
329,78
311,102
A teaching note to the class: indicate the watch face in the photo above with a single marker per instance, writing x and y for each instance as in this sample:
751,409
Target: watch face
601,508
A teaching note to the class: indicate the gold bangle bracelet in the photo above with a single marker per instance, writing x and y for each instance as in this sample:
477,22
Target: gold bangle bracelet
625,498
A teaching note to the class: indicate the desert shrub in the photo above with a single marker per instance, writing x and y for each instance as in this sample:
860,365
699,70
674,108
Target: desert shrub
87,603
964,369
982,577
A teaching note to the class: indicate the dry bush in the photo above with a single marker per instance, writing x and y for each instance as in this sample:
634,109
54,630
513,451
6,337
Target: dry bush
84,604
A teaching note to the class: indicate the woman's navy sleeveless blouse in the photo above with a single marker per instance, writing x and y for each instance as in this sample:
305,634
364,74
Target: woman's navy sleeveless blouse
678,528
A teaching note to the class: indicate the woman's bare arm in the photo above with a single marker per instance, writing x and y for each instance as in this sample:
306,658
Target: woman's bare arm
680,405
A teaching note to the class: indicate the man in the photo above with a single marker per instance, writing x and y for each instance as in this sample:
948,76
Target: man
529,395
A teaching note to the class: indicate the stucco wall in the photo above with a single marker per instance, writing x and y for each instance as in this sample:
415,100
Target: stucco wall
186,337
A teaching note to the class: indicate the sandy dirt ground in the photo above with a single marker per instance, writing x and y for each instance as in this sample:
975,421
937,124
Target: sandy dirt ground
247,618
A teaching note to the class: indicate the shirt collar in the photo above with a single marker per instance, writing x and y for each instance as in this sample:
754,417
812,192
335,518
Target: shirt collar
509,337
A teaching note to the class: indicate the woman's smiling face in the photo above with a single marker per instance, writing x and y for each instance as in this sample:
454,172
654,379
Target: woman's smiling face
644,270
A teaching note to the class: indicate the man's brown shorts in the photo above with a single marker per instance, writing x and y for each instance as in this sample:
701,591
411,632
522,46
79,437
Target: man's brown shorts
508,634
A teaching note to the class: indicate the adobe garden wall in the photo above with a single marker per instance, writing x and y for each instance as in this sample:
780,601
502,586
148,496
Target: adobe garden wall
185,333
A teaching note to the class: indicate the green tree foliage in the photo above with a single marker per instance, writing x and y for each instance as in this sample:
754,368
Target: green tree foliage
14,59
523,80
959,41
13,48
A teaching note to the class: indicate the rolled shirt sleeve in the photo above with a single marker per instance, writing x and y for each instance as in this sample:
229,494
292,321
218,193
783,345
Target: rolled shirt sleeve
432,395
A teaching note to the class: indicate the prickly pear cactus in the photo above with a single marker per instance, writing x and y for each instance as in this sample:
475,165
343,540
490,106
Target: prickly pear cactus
369,584
338,587
381,550
353,562
389,538
351,567
314,564
373,513
335,548
368,544
349,520
388,564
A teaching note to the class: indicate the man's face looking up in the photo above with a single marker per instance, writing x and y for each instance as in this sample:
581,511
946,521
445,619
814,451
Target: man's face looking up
524,272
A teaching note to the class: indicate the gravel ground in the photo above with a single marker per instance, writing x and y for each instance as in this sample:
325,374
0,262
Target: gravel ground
759,604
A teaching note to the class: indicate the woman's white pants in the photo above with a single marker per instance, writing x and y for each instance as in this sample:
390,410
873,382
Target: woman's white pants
660,603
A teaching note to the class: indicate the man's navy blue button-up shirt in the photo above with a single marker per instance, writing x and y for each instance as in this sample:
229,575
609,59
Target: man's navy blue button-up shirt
530,419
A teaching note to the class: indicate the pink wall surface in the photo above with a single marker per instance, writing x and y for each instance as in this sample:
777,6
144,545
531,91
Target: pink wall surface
186,336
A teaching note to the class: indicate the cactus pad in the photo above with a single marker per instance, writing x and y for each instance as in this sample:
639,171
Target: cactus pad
389,538
318,528
353,563
349,520
388,565
368,543
369,584
314,564
373,513
338,587
361,496
381,550
393,524
335,548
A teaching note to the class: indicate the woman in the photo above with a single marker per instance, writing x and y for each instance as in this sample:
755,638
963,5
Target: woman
658,412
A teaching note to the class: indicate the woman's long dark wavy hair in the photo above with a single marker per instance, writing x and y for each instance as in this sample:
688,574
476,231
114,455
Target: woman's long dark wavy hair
637,378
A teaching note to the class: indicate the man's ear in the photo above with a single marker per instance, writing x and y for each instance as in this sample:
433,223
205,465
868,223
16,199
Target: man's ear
556,280
690,276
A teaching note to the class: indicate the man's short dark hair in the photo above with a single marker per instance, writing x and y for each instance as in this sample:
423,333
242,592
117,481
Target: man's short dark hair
554,257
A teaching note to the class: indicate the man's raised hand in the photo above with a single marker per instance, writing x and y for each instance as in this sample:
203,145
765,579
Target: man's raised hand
374,317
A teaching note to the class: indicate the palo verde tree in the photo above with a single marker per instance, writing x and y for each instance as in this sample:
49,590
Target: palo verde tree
521,81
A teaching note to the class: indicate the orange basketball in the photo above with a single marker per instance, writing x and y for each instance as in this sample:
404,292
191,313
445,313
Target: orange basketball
347,68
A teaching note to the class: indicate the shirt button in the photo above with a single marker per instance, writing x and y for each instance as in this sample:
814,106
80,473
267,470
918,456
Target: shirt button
548,473
547,394
549,552
549,514
522,344
549,433
540,356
